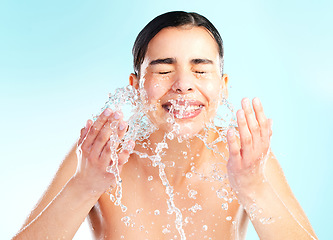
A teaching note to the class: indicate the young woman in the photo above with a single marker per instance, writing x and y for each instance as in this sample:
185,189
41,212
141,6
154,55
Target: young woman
178,62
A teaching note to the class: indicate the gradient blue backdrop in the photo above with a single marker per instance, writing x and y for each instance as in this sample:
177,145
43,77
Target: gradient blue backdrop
60,59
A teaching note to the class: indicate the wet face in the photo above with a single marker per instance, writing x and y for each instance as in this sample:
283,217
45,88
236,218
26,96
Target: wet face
182,79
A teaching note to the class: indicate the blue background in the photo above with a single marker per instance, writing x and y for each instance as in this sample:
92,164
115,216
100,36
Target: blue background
60,59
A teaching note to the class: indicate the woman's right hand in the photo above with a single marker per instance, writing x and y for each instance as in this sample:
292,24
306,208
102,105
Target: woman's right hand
94,152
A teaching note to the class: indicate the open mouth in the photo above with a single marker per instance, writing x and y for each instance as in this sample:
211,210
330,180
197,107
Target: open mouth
183,109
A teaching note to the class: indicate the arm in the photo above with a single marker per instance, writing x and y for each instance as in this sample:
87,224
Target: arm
258,180
72,194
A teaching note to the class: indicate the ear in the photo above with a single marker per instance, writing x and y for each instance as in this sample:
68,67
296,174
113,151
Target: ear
225,80
134,81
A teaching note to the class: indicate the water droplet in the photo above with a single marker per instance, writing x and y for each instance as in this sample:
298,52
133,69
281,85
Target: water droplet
195,208
123,208
170,135
165,231
268,220
157,212
139,210
222,193
204,227
150,178
225,206
126,220
189,175
192,194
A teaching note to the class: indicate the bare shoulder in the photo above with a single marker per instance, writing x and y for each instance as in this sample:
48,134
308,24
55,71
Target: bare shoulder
66,170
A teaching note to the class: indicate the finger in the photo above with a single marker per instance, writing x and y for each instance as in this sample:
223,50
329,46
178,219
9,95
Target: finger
245,135
105,157
112,146
270,121
251,122
125,153
96,127
84,132
122,129
262,120
108,132
234,150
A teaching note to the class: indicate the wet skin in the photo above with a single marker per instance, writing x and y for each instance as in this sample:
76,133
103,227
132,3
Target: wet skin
181,65
183,72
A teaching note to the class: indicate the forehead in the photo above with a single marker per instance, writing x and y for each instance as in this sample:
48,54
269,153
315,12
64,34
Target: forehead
183,43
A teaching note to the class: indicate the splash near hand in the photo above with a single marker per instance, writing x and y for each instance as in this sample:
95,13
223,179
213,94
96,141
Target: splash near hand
95,148
248,154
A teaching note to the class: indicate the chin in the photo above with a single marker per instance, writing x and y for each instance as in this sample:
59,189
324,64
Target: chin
174,127
181,131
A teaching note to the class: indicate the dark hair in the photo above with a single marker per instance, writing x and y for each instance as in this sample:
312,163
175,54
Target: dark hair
171,19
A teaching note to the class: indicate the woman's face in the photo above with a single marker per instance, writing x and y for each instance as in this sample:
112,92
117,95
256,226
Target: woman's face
181,75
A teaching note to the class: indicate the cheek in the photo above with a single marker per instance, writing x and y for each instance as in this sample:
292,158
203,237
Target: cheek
211,87
156,89
212,91
153,92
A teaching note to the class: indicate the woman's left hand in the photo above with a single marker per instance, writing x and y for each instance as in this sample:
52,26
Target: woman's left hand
247,158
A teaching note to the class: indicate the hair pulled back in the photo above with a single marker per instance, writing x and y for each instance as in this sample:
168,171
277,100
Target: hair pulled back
171,19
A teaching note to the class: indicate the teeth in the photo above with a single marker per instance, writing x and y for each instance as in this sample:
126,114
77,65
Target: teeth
182,108
191,108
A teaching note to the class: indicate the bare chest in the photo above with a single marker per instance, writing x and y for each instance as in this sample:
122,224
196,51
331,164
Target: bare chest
204,209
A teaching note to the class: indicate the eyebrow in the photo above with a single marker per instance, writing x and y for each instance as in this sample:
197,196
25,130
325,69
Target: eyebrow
194,61
163,61
201,61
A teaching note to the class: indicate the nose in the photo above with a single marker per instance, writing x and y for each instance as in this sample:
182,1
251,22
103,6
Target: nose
184,83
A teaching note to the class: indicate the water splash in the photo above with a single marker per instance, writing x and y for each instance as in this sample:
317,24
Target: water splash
135,110
126,100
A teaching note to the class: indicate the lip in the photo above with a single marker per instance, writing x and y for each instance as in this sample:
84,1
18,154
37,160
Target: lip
183,109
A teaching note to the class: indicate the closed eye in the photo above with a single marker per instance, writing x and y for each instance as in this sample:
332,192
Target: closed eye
200,72
166,72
